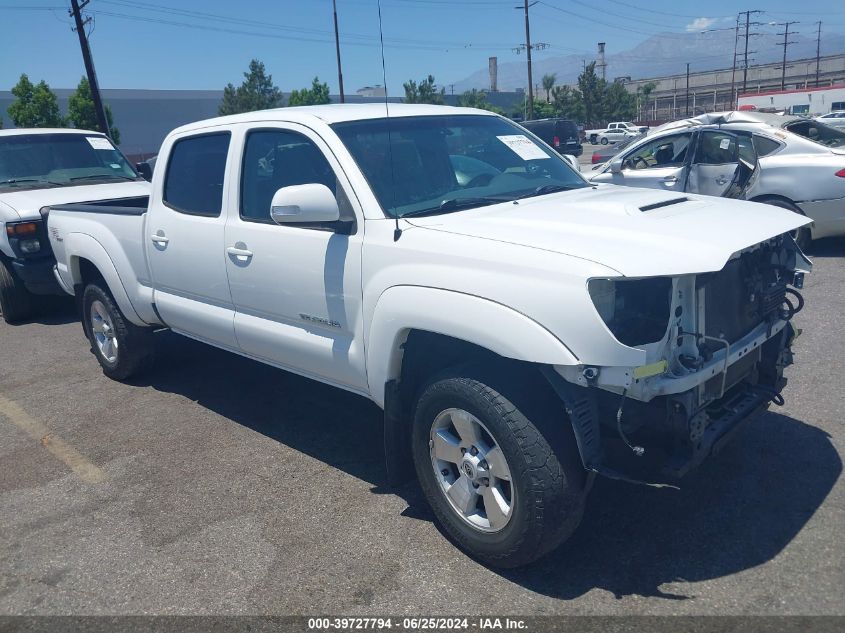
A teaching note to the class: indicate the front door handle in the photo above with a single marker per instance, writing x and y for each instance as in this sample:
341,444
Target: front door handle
721,180
239,250
159,238
670,180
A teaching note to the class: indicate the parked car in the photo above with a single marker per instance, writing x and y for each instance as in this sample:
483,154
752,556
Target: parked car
508,320
834,119
595,135
617,135
606,152
743,155
562,134
40,167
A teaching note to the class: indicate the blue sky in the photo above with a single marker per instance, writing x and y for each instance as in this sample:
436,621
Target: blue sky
203,44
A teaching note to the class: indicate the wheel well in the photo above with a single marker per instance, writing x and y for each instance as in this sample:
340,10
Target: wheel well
771,197
427,353
88,272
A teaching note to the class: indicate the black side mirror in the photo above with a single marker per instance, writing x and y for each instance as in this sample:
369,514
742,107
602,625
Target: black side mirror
145,170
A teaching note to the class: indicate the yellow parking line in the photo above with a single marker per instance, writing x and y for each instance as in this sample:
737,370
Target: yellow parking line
72,458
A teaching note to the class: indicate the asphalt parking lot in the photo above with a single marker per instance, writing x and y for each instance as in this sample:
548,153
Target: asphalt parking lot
217,485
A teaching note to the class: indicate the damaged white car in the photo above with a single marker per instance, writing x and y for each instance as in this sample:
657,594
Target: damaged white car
509,317
786,161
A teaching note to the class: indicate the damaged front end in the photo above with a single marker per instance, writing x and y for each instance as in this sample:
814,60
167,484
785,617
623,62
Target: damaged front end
716,346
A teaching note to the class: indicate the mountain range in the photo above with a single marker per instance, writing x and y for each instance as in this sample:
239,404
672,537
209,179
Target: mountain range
659,55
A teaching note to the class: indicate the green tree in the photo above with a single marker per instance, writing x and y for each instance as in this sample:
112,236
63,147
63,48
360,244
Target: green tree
257,92
477,99
317,94
82,115
643,93
548,84
424,92
619,104
592,90
34,105
568,103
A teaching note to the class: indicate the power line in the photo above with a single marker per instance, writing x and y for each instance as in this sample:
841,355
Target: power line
786,42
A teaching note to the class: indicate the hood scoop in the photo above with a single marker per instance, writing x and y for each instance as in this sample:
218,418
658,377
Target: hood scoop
663,203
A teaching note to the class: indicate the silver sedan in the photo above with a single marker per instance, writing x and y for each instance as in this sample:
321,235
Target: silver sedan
755,157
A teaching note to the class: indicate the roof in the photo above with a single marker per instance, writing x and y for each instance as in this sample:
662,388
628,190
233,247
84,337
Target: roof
334,113
46,130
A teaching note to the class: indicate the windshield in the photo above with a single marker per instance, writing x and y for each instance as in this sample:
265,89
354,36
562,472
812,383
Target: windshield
439,164
818,132
35,161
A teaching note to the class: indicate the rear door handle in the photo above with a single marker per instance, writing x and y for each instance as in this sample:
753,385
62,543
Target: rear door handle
721,180
670,180
235,251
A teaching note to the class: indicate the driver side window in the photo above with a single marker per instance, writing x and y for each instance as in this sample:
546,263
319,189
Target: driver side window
667,151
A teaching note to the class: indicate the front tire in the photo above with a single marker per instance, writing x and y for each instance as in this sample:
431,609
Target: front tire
501,472
16,302
604,141
122,348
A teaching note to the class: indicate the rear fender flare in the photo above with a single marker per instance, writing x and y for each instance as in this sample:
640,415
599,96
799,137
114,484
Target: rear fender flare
79,246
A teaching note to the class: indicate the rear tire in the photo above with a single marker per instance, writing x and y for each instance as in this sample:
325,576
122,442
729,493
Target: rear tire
802,236
529,497
16,302
122,348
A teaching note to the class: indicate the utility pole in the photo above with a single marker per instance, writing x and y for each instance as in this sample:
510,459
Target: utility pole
733,68
76,13
337,48
528,52
818,51
686,99
748,24
786,42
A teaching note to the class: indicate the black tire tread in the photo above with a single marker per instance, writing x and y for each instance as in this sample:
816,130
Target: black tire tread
136,351
557,504
16,302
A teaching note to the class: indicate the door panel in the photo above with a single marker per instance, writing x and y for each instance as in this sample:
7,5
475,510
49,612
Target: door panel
725,164
658,164
297,295
185,233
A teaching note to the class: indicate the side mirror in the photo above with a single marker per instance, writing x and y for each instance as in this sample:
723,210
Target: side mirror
145,170
616,165
573,162
304,204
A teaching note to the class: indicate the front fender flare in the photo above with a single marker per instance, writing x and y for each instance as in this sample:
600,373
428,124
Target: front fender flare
80,246
473,319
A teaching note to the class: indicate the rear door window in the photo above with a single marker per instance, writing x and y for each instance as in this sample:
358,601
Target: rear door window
193,183
765,146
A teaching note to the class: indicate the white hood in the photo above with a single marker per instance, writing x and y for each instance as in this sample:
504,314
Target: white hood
28,202
608,225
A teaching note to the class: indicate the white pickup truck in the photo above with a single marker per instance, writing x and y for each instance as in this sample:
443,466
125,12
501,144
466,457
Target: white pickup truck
508,316
615,128
42,167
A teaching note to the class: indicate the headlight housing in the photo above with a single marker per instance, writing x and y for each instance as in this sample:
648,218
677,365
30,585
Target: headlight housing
636,311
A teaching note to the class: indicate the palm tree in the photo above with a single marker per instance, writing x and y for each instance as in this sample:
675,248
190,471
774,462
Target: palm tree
548,84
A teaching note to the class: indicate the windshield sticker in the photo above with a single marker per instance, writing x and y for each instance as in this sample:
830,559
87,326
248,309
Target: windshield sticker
724,143
523,146
98,142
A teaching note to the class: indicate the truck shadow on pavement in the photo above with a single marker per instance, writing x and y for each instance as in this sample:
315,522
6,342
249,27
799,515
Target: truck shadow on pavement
738,511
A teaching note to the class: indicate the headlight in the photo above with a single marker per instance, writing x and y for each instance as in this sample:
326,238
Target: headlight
636,311
29,246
